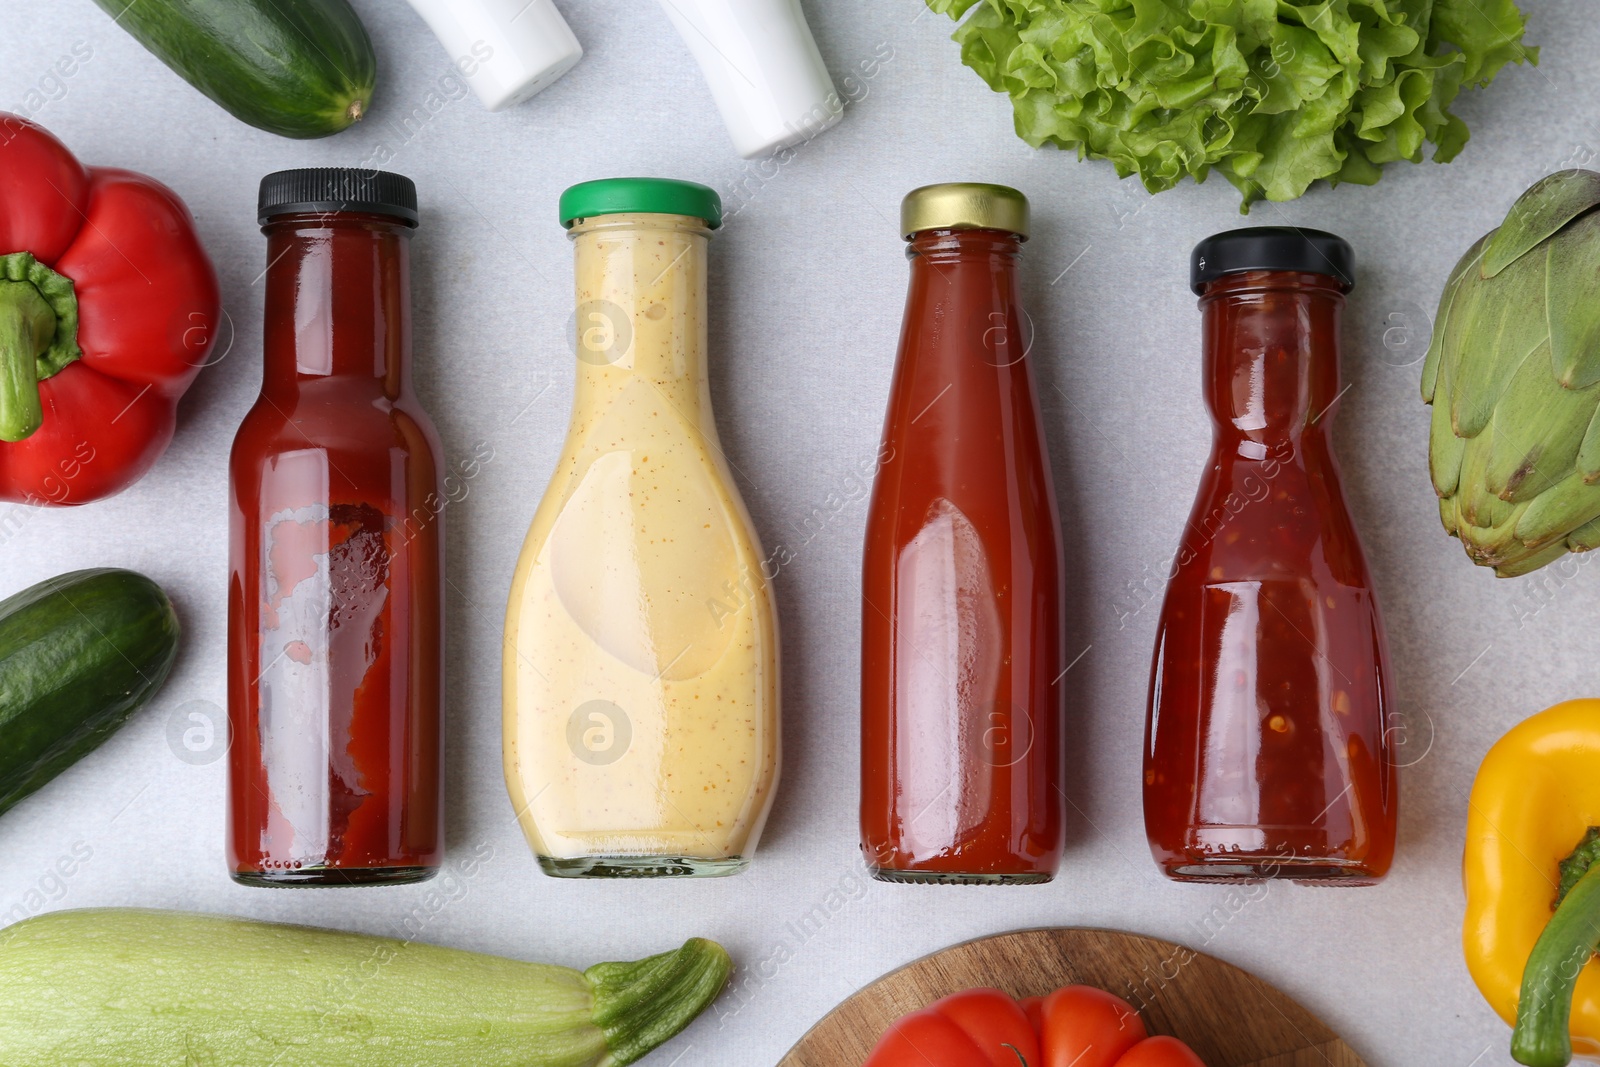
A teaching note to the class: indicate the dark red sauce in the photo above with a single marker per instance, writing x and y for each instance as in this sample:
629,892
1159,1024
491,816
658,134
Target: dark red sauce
1266,751
337,549
962,643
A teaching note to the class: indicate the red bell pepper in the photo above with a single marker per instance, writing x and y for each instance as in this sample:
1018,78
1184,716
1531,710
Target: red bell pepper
1076,1026
108,309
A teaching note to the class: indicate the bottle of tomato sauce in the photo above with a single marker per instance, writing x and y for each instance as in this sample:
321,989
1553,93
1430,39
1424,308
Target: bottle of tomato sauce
337,553
1266,752
962,595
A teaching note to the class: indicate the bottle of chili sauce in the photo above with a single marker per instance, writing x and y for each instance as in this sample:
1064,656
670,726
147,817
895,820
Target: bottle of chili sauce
337,554
1266,753
962,646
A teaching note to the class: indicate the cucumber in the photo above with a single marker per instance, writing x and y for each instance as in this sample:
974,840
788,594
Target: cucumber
299,68
110,987
79,653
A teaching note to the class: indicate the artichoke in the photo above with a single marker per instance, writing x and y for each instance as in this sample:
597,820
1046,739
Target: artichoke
1513,374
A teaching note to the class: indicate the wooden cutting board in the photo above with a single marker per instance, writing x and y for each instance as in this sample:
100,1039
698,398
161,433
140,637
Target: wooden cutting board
1229,1017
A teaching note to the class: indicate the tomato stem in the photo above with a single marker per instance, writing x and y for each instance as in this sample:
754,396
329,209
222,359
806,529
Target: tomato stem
1542,1037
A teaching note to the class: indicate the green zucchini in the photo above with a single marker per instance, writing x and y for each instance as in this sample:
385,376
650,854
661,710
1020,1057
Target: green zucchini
79,653
300,68
116,986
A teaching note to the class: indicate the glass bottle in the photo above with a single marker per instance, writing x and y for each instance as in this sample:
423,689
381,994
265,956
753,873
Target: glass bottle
641,654
337,554
1267,754
962,642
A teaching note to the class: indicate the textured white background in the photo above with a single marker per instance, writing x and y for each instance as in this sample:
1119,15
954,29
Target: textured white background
808,284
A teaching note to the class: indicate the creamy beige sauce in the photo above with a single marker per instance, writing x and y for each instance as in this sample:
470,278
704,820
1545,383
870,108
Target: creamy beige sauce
641,654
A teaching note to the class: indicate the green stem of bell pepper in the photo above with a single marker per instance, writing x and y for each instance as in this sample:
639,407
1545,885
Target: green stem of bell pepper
26,326
1542,1036
38,337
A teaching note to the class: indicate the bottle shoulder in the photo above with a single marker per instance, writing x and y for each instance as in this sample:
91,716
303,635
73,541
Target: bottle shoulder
278,423
1282,514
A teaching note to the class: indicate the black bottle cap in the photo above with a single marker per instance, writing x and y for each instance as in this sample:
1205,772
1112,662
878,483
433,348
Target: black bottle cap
327,189
1272,248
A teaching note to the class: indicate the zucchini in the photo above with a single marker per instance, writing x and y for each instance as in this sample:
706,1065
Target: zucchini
104,986
300,68
79,653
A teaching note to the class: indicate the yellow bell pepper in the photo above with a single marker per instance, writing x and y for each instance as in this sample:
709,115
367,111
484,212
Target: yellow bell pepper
1529,841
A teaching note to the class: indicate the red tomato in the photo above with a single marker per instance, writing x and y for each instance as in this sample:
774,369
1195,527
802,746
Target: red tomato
1033,1008
1087,1027
975,1028
1160,1052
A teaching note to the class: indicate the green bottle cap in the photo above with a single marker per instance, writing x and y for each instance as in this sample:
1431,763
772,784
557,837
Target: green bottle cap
662,196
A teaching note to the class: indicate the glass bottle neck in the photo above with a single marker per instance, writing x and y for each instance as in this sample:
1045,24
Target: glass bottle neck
932,250
963,311
641,306
1271,353
338,300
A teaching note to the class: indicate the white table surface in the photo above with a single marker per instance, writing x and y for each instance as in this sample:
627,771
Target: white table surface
808,285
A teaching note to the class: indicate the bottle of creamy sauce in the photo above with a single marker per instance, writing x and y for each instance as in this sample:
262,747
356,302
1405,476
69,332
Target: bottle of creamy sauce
641,652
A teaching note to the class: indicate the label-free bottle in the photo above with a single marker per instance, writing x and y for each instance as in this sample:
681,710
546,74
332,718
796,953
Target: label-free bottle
962,654
1267,753
337,548
641,647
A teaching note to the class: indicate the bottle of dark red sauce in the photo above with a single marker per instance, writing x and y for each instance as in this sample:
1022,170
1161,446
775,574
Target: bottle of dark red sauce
962,643
1266,753
337,554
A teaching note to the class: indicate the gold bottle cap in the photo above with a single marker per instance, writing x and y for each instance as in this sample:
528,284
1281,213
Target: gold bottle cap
964,206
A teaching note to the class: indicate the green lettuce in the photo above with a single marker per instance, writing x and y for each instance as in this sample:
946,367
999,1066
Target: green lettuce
1274,94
